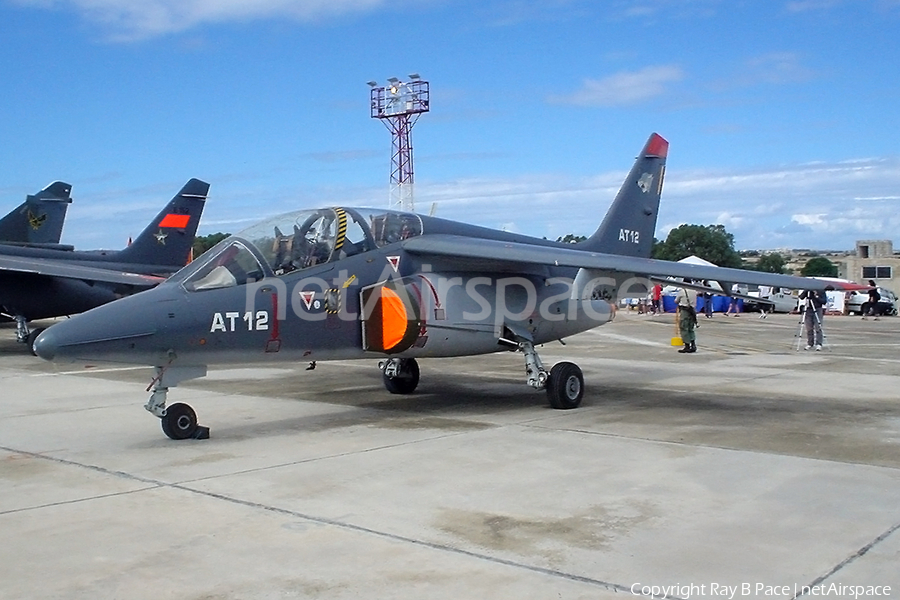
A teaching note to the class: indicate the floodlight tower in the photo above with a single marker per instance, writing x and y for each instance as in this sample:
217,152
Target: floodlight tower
398,105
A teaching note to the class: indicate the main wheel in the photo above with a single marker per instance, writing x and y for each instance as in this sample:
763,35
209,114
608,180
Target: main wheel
565,386
32,336
406,381
180,421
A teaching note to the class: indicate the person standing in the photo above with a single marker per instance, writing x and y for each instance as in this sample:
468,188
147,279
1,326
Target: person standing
764,292
656,298
707,302
733,306
686,301
874,297
813,313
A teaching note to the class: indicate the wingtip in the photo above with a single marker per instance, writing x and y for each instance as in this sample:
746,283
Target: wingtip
657,146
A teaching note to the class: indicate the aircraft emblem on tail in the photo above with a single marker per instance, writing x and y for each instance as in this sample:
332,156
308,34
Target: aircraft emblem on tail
36,221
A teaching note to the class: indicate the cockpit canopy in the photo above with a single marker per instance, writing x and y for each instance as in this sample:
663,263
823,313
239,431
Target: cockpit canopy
300,240
311,237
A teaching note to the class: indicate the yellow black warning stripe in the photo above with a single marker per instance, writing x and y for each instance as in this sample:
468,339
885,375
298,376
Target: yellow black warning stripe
341,228
333,301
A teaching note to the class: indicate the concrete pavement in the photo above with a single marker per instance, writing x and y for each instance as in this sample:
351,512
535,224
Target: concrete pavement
749,463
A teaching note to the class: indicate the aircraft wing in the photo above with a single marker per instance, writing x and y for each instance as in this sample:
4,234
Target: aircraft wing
467,248
668,281
55,268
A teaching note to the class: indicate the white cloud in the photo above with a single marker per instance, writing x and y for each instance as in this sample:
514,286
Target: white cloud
775,67
623,88
818,205
139,19
730,220
808,219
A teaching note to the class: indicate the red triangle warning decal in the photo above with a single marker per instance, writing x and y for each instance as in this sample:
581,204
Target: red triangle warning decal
307,299
395,262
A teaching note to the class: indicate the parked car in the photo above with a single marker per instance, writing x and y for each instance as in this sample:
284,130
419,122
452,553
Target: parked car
783,301
857,302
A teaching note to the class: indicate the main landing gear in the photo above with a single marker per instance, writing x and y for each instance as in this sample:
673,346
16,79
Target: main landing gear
179,421
564,382
25,334
401,375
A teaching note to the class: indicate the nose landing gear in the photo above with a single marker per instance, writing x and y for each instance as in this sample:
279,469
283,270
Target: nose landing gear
179,421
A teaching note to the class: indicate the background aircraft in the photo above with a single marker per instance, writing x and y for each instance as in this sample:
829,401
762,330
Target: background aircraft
39,220
38,283
340,283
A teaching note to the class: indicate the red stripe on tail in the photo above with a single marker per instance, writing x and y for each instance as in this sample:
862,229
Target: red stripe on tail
176,221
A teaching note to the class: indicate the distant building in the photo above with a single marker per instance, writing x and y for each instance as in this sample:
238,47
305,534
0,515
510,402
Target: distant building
874,259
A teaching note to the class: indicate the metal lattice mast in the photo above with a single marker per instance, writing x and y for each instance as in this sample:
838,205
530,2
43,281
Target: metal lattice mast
398,105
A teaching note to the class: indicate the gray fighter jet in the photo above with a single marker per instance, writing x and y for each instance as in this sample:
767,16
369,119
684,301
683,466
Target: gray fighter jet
352,283
38,222
38,283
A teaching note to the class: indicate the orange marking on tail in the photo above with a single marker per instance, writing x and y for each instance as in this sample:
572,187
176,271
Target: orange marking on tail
176,221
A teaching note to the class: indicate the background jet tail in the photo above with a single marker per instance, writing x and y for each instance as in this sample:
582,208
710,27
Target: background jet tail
39,220
168,239
630,223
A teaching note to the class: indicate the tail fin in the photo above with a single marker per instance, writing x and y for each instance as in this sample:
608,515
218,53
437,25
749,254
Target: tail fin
168,239
630,223
38,220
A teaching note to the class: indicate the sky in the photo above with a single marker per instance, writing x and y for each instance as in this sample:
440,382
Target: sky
782,115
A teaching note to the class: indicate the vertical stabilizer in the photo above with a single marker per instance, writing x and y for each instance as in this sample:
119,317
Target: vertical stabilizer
40,219
168,239
630,222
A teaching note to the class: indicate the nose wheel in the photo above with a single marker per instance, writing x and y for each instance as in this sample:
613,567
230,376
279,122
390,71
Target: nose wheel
180,422
32,337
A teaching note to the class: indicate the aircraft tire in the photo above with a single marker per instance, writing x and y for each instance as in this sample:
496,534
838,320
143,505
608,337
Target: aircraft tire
180,421
32,336
565,386
406,382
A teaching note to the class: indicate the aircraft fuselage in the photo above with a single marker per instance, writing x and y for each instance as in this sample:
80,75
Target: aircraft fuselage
340,311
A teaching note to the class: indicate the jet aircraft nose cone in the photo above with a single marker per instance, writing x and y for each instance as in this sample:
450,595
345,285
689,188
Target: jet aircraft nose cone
106,333
46,344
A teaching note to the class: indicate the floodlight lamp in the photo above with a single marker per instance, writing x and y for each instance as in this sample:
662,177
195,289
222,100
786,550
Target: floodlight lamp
371,83
414,76
393,80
